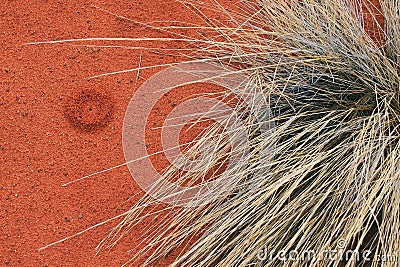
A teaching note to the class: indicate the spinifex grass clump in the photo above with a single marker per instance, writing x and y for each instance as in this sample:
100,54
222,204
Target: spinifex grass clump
328,171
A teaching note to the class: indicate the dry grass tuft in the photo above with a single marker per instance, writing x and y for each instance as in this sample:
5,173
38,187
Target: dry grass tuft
327,167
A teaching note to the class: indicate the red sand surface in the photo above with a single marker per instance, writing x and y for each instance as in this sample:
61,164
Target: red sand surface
57,125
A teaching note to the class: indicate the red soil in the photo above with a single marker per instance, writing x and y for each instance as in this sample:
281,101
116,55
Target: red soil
57,125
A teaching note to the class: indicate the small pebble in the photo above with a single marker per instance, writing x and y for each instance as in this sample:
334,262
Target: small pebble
80,216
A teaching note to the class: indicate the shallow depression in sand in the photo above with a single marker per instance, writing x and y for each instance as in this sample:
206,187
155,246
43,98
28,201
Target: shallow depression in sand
89,110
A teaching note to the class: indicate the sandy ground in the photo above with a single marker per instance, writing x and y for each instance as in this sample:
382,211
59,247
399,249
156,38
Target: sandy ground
57,125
